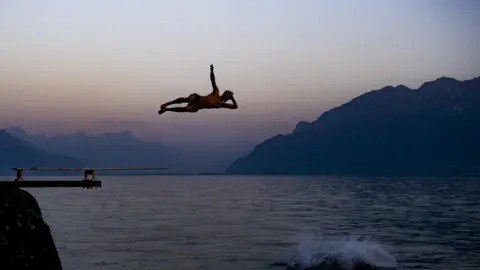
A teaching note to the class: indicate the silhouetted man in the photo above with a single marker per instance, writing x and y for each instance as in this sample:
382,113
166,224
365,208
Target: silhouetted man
197,102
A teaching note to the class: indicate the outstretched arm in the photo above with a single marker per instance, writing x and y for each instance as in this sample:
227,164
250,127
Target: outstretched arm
230,106
214,83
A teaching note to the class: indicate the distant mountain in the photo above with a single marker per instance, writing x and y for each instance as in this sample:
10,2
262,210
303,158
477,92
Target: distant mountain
15,152
113,149
433,130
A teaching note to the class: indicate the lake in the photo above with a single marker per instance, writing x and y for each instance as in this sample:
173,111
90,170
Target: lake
250,222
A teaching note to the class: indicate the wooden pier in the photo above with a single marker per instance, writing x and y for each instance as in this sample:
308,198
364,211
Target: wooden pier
89,179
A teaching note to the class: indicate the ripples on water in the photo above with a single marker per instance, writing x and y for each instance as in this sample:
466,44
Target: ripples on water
219,222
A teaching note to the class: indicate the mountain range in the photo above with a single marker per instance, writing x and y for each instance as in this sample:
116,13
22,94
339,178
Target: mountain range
112,149
393,131
15,152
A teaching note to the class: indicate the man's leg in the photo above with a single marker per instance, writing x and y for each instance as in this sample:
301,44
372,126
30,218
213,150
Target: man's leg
179,109
176,101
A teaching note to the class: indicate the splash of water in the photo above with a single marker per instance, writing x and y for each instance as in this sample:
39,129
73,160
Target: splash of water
313,251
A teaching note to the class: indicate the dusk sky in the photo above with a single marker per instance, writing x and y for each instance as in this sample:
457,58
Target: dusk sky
96,65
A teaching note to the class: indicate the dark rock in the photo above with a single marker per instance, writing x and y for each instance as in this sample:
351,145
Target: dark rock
25,239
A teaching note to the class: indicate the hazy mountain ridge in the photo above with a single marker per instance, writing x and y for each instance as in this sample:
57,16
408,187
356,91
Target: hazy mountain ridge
111,149
15,152
432,130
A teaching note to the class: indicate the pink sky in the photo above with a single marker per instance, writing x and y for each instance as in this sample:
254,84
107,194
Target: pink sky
68,66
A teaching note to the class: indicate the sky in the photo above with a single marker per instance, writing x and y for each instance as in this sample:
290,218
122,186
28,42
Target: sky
107,65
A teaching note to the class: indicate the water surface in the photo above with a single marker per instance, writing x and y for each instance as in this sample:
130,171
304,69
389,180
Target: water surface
249,222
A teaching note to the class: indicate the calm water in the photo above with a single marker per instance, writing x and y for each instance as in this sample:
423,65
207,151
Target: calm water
218,222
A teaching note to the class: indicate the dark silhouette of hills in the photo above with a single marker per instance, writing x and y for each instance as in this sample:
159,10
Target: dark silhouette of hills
112,149
15,152
433,130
